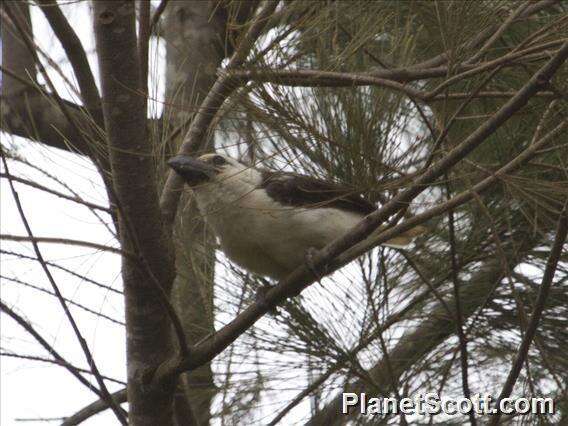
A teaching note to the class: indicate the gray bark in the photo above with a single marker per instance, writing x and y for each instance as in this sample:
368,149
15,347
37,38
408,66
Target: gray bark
133,174
195,43
25,112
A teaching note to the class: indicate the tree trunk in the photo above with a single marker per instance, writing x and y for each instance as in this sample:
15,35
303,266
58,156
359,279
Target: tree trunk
194,51
131,155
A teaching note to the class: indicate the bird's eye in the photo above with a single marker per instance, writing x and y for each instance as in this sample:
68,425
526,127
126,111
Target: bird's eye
218,160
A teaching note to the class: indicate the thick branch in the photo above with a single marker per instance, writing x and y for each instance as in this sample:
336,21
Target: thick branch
23,111
323,260
77,57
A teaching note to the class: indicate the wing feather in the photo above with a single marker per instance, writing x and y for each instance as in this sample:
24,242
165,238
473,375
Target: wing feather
296,190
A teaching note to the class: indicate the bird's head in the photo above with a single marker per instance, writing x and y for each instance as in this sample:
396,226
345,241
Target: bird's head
216,178
206,169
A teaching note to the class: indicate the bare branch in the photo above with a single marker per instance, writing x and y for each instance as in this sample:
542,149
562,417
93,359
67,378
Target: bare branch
85,348
56,362
58,358
458,310
156,16
70,302
77,57
69,271
75,199
508,22
19,94
94,408
320,78
27,38
66,241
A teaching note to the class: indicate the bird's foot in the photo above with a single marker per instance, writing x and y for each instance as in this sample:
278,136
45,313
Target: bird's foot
309,258
261,298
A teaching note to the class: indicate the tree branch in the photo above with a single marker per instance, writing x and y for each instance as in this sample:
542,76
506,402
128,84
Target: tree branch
147,283
94,408
66,241
77,57
323,260
82,342
217,95
69,301
543,291
156,16
75,199
59,359
56,362
69,271
19,95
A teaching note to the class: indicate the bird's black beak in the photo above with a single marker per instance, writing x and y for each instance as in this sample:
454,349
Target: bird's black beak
192,170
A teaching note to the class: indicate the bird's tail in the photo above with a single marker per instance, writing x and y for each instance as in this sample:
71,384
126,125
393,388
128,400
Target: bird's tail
400,242
404,239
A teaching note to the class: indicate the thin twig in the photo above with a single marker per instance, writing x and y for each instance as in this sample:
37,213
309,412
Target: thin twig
144,32
543,291
66,241
75,199
69,271
58,358
82,342
76,57
64,185
71,302
156,16
56,362
457,300
508,22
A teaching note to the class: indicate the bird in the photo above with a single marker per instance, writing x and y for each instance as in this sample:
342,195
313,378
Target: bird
268,221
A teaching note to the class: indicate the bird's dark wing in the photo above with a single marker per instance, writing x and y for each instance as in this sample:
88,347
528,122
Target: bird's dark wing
296,190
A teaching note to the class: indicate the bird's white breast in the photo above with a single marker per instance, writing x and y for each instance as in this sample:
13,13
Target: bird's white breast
262,235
